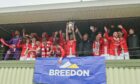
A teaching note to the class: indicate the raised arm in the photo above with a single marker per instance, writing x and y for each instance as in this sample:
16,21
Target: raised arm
23,32
37,37
61,35
79,35
93,33
106,33
67,36
124,31
62,55
61,38
3,42
73,34
62,52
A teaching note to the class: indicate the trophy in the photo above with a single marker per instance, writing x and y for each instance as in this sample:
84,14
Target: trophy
70,26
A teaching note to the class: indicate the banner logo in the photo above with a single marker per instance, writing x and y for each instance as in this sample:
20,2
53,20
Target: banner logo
69,65
69,69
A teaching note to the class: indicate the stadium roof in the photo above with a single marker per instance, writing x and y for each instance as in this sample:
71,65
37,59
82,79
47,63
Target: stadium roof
70,11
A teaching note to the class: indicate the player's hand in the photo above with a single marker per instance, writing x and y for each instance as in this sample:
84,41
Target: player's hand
56,33
120,26
77,30
12,46
112,26
93,29
72,28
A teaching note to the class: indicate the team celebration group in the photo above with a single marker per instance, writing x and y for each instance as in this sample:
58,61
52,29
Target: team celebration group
70,43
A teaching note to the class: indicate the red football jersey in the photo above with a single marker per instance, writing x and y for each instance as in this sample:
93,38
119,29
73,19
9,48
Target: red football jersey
114,47
104,46
123,42
70,47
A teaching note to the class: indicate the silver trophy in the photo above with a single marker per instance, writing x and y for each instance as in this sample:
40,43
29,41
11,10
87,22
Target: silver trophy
70,26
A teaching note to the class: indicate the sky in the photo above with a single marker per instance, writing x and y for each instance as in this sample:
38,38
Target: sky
13,3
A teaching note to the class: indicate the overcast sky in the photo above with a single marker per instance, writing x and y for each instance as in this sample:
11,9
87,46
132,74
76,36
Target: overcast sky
12,3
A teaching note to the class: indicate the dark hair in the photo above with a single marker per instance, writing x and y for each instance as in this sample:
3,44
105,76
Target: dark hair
85,34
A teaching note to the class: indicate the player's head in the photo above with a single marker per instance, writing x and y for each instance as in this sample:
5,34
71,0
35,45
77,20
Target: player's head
98,36
38,43
27,40
33,40
120,33
17,33
44,34
131,31
115,34
85,36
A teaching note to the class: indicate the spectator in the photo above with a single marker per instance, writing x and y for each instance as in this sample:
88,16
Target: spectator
13,52
133,44
84,47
